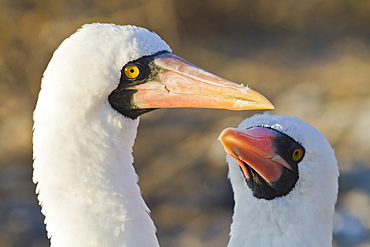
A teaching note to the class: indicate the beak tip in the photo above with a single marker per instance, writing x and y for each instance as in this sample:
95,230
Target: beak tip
257,101
267,104
225,132
270,106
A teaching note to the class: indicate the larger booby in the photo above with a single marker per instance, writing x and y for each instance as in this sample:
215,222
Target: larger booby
284,176
97,84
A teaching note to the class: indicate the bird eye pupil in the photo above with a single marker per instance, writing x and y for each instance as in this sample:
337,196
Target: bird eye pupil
297,154
131,71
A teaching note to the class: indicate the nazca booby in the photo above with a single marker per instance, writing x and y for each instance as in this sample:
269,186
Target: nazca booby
284,175
97,84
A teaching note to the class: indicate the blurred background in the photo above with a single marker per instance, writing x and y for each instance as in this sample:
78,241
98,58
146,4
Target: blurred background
311,58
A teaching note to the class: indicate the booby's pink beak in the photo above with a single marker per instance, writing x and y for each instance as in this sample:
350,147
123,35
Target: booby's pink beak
182,84
254,147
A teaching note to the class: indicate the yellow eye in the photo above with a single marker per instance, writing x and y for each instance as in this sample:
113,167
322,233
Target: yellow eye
297,154
132,71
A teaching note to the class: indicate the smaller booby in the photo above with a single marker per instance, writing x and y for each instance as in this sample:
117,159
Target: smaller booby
284,176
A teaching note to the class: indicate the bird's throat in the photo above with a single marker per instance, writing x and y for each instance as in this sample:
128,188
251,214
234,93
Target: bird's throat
87,185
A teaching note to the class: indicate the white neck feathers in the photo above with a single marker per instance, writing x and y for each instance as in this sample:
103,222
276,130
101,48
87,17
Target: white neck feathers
281,222
87,185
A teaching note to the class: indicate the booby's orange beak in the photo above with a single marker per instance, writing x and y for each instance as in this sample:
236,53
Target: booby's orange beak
254,147
182,84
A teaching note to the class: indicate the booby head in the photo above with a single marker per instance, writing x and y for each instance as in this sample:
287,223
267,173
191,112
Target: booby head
136,72
285,177
268,158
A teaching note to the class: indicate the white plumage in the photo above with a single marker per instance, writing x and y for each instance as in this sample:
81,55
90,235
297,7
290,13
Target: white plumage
86,183
303,217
